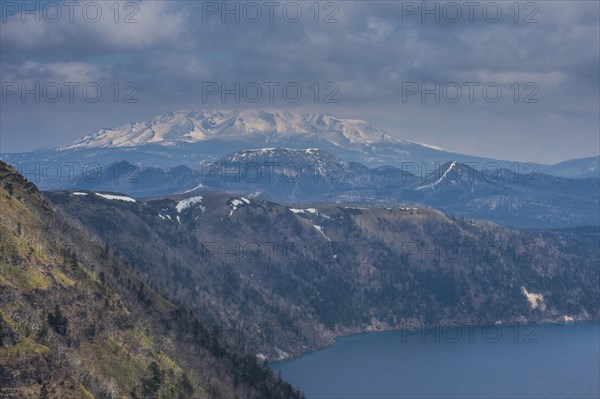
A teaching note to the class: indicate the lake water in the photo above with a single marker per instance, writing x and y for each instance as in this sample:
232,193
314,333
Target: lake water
542,361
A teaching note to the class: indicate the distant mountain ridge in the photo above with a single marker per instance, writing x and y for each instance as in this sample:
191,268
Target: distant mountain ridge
313,176
577,168
191,137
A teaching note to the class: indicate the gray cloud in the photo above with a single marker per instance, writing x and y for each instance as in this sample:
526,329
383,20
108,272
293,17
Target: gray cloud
371,53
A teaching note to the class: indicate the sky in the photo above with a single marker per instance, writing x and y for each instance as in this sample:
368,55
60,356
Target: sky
516,81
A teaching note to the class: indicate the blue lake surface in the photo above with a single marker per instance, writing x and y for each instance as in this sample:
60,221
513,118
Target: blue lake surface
540,361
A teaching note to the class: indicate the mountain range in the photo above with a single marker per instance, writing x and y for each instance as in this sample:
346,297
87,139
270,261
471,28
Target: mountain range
313,176
192,137
185,296
282,280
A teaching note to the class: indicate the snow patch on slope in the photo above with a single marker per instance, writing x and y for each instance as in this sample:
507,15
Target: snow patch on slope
188,202
235,203
535,300
310,210
116,197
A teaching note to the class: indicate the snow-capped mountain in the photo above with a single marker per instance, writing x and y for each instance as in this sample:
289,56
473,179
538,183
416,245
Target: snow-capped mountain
203,125
191,137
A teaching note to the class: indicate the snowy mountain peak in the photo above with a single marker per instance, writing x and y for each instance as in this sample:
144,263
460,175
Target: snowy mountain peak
200,125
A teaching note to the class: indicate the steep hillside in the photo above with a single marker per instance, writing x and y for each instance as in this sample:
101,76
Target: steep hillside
280,281
77,322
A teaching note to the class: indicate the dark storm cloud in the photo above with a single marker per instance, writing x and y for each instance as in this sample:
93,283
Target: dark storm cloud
371,53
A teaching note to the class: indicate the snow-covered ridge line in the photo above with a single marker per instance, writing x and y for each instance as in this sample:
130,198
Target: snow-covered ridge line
320,230
199,186
438,181
433,147
314,211
201,125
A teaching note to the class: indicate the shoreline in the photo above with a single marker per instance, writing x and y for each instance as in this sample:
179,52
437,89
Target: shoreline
475,325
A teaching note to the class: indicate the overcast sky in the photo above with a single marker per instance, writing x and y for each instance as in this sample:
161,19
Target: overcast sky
399,65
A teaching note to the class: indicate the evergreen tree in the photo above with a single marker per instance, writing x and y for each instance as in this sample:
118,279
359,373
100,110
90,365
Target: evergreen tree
185,386
58,322
152,382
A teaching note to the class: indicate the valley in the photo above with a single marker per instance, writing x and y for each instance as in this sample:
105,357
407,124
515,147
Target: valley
528,199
